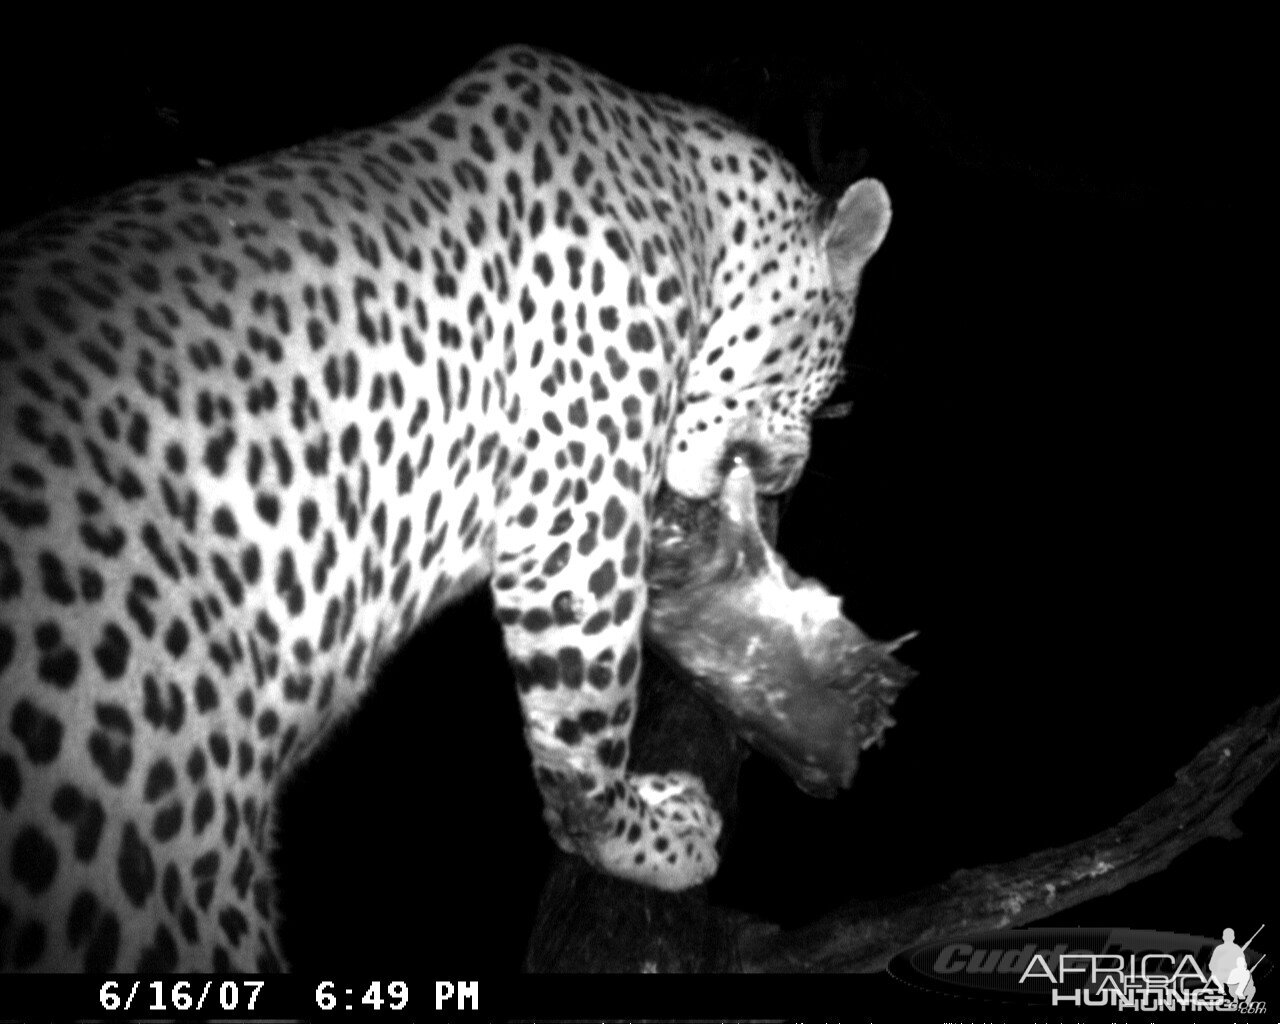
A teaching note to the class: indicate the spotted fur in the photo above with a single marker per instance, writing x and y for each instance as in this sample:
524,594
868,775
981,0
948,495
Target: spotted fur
258,424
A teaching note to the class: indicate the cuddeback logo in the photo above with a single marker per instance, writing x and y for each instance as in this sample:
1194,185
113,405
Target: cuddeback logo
1120,968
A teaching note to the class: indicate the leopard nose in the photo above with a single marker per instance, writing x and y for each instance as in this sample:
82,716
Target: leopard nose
773,473
747,453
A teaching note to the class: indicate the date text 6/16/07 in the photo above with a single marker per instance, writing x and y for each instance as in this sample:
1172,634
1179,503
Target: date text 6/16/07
161,996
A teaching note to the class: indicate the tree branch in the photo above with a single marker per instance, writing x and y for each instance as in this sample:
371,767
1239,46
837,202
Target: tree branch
864,936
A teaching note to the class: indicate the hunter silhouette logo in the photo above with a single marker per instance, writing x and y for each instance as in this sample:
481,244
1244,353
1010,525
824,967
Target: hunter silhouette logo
1229,970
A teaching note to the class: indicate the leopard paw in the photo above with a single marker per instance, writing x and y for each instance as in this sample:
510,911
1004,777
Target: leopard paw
663,833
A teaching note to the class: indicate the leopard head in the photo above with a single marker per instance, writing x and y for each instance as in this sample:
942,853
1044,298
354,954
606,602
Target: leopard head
771,352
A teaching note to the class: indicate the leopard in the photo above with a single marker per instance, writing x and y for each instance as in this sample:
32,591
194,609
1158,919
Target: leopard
259,423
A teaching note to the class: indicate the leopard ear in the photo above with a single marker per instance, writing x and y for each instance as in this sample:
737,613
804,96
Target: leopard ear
855,231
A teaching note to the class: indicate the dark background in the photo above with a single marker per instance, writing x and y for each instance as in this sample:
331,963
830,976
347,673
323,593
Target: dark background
1053,468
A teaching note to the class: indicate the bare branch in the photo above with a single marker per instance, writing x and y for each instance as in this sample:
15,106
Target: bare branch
864,936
